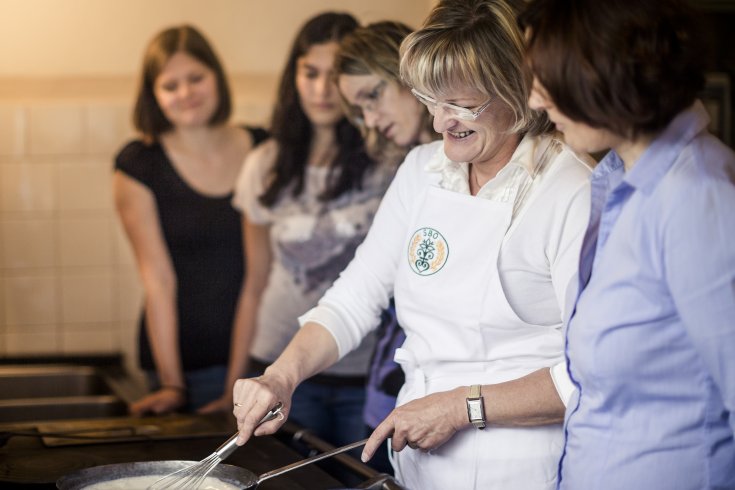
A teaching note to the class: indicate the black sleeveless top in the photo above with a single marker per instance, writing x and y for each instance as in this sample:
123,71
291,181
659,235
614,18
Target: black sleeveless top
204,239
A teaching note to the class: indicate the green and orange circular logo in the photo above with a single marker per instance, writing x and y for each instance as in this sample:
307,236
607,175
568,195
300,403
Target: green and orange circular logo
427,251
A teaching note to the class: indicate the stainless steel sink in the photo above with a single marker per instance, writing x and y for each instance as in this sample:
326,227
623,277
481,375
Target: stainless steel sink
55,392
49,381
60,408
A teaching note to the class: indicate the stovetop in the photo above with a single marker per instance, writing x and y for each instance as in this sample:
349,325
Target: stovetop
33,455
27,462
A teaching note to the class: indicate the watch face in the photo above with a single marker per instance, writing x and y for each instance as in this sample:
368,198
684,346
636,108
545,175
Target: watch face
475,409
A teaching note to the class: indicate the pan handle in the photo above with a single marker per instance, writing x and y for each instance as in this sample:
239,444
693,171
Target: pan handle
226,449
313,459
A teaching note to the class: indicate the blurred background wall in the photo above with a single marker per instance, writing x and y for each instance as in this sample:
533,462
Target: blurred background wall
68,72
107,37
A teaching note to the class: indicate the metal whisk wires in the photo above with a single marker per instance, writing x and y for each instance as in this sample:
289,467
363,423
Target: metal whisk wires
192,477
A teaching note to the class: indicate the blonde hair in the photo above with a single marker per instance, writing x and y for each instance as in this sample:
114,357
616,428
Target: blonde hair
475,44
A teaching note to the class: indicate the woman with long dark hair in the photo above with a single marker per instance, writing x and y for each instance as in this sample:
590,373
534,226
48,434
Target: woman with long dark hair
308,197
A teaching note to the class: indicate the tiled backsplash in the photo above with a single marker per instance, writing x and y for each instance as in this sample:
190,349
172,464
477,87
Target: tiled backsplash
68,283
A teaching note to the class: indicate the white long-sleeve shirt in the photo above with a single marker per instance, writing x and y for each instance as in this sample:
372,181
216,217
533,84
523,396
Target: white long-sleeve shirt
537,260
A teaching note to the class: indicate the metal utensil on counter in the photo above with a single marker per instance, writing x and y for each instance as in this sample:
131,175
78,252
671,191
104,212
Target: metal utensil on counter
193,476
298,464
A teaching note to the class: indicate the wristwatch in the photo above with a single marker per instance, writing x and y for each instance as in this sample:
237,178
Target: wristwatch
475,407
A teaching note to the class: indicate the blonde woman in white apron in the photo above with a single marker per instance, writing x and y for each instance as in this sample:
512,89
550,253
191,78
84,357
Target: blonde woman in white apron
477,239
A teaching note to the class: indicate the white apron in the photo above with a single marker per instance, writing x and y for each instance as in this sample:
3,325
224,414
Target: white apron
450,300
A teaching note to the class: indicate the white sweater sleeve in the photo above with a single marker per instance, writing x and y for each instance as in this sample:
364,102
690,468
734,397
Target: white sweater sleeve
562,382
564,254
351,307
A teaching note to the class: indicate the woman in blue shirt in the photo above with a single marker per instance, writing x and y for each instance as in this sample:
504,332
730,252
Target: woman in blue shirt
651,338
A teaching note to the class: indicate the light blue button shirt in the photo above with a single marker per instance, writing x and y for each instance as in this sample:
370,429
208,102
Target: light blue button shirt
651,340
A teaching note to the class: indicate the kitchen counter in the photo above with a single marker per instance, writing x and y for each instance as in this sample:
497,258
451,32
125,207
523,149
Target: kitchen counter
34,455
33,462
55,418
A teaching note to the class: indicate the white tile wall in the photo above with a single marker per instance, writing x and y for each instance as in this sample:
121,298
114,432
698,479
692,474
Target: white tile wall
86,297
56,129
60,244
255,113
31,343
28,187
108,125
3,342
68,281
12,130
85,241
89,338
28,243
85,186
31,300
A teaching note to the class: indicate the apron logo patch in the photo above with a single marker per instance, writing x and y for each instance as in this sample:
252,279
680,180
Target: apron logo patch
427,251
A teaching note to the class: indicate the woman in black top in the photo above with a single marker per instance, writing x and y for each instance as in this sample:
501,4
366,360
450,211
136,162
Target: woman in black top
172,191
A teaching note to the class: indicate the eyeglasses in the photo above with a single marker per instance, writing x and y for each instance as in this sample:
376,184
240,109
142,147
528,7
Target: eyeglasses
373,98
369,103
459,112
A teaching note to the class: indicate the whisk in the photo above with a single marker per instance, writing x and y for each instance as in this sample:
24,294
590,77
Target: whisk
191,477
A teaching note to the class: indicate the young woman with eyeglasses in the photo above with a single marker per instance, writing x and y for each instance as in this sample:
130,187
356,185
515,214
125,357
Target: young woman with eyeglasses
377,102
392,122
308,197
477,239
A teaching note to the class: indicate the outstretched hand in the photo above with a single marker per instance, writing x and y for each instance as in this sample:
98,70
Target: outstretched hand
221,404
159,402
425,423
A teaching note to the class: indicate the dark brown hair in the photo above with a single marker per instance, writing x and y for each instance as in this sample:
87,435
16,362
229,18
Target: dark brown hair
292,129
147,115
628,66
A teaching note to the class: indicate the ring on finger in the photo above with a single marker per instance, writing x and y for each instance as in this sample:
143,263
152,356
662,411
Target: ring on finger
239,404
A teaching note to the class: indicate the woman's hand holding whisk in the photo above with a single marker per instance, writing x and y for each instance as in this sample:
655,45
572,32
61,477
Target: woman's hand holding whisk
253,397
312,350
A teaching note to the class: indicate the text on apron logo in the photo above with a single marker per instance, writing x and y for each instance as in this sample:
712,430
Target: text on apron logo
427,251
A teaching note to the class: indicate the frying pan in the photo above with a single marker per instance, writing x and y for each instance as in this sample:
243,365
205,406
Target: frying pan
77,480
234,475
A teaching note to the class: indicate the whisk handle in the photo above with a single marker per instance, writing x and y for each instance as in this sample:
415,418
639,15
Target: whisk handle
226,449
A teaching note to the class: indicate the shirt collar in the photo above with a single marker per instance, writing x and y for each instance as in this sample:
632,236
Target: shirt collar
661,154
522,157
609,164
